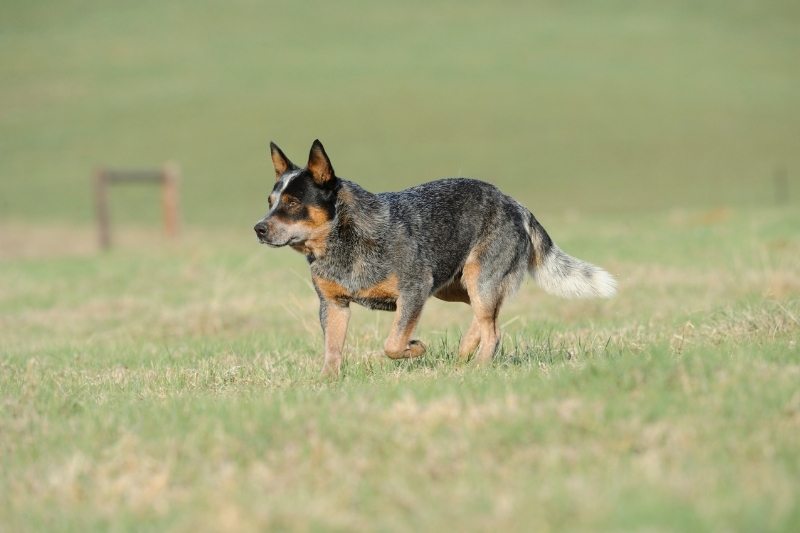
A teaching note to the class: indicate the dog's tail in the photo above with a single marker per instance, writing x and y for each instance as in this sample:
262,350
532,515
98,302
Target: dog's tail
561,274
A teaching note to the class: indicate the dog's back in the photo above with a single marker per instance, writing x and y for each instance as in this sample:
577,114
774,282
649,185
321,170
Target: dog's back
441,222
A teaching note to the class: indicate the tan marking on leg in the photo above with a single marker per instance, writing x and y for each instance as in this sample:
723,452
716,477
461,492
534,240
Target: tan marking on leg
485,311
398,345
469,277
490,336
330,290
384,290
335,333
470,340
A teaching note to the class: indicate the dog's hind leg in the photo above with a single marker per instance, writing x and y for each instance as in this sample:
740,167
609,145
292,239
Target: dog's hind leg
485,299
470,340
486,317
492,272
399,344
489,282
454,291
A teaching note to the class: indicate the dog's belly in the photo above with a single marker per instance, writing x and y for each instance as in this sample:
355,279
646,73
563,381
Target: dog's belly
454,291
378,304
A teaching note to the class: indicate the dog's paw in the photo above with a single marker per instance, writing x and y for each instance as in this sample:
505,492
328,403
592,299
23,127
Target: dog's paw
330,371
415,348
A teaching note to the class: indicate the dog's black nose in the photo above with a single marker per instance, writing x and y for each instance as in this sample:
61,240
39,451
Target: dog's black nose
261,230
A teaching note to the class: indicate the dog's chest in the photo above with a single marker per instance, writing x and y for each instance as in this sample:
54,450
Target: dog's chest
378,294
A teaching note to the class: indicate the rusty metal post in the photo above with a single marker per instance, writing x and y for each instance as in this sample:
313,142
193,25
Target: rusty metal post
101,209
169,198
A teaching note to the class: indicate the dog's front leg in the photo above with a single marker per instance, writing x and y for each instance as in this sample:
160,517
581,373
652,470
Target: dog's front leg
399,344
334,318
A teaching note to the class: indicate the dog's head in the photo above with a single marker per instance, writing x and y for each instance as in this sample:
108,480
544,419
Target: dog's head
302,202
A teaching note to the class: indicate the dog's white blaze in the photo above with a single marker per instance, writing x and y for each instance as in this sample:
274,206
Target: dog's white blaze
285,180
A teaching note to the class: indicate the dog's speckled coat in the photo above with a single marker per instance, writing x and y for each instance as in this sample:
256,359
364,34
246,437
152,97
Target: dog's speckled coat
457,239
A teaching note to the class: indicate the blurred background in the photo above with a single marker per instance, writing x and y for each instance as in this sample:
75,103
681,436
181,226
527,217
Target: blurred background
173,385
614,106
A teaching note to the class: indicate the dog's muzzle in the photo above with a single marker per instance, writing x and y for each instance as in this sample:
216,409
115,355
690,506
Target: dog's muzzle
262,231
263,234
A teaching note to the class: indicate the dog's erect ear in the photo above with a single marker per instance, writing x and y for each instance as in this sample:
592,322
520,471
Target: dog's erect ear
280,161
319,165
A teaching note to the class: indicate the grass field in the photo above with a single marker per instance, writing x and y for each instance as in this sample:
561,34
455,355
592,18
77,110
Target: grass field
178,387
174,385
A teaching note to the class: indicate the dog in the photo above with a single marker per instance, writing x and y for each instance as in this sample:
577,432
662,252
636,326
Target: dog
458,239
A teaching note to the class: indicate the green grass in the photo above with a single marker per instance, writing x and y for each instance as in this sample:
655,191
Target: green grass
175,385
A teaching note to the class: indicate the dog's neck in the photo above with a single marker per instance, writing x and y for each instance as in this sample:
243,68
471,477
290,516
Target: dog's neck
358,229
359,213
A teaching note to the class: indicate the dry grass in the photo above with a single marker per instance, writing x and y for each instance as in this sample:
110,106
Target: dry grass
175,387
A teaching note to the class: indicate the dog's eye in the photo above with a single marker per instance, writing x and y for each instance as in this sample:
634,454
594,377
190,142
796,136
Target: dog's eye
291,202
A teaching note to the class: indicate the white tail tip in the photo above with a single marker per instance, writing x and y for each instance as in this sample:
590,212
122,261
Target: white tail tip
566,276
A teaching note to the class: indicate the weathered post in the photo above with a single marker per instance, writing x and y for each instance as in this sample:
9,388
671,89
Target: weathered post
169,198
101,209
168,176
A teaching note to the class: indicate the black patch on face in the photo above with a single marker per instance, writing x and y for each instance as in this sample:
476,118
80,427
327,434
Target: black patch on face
307,193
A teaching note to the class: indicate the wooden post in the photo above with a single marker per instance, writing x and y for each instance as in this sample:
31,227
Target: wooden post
168,176
101,209
169,198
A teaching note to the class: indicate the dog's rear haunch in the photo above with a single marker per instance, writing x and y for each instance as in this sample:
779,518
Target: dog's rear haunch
460,240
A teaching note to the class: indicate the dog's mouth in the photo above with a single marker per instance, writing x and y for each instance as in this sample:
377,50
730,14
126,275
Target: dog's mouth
290,242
